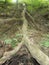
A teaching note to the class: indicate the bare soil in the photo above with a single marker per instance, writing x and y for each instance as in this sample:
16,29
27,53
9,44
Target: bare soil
22,57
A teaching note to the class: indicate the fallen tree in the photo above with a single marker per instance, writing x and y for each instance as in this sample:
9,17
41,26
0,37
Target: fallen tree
42,58
8,55
36,53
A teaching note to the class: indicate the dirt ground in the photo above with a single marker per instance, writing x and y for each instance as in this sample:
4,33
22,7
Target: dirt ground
23,57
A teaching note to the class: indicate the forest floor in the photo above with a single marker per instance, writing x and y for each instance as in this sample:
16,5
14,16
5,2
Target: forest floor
22,57
11,33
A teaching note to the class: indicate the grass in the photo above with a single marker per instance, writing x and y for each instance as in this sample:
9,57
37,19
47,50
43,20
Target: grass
13,41
45,41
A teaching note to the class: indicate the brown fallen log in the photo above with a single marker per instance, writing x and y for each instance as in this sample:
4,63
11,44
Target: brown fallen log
41,57
2,21
36,53
8,55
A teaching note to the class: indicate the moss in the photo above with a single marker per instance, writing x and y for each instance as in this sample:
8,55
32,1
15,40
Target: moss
45,41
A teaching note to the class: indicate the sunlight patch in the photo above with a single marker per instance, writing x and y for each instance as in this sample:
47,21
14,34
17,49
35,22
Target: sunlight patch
14,1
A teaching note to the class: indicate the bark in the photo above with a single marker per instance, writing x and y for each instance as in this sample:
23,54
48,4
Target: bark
42,58
36,53
8,55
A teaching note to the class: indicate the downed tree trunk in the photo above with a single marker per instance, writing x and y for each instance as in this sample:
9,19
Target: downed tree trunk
8,55
42,58
22,57
2,21
36,53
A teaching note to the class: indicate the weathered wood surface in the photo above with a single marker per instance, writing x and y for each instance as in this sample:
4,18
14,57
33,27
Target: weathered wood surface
2,21
8,55
42,58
